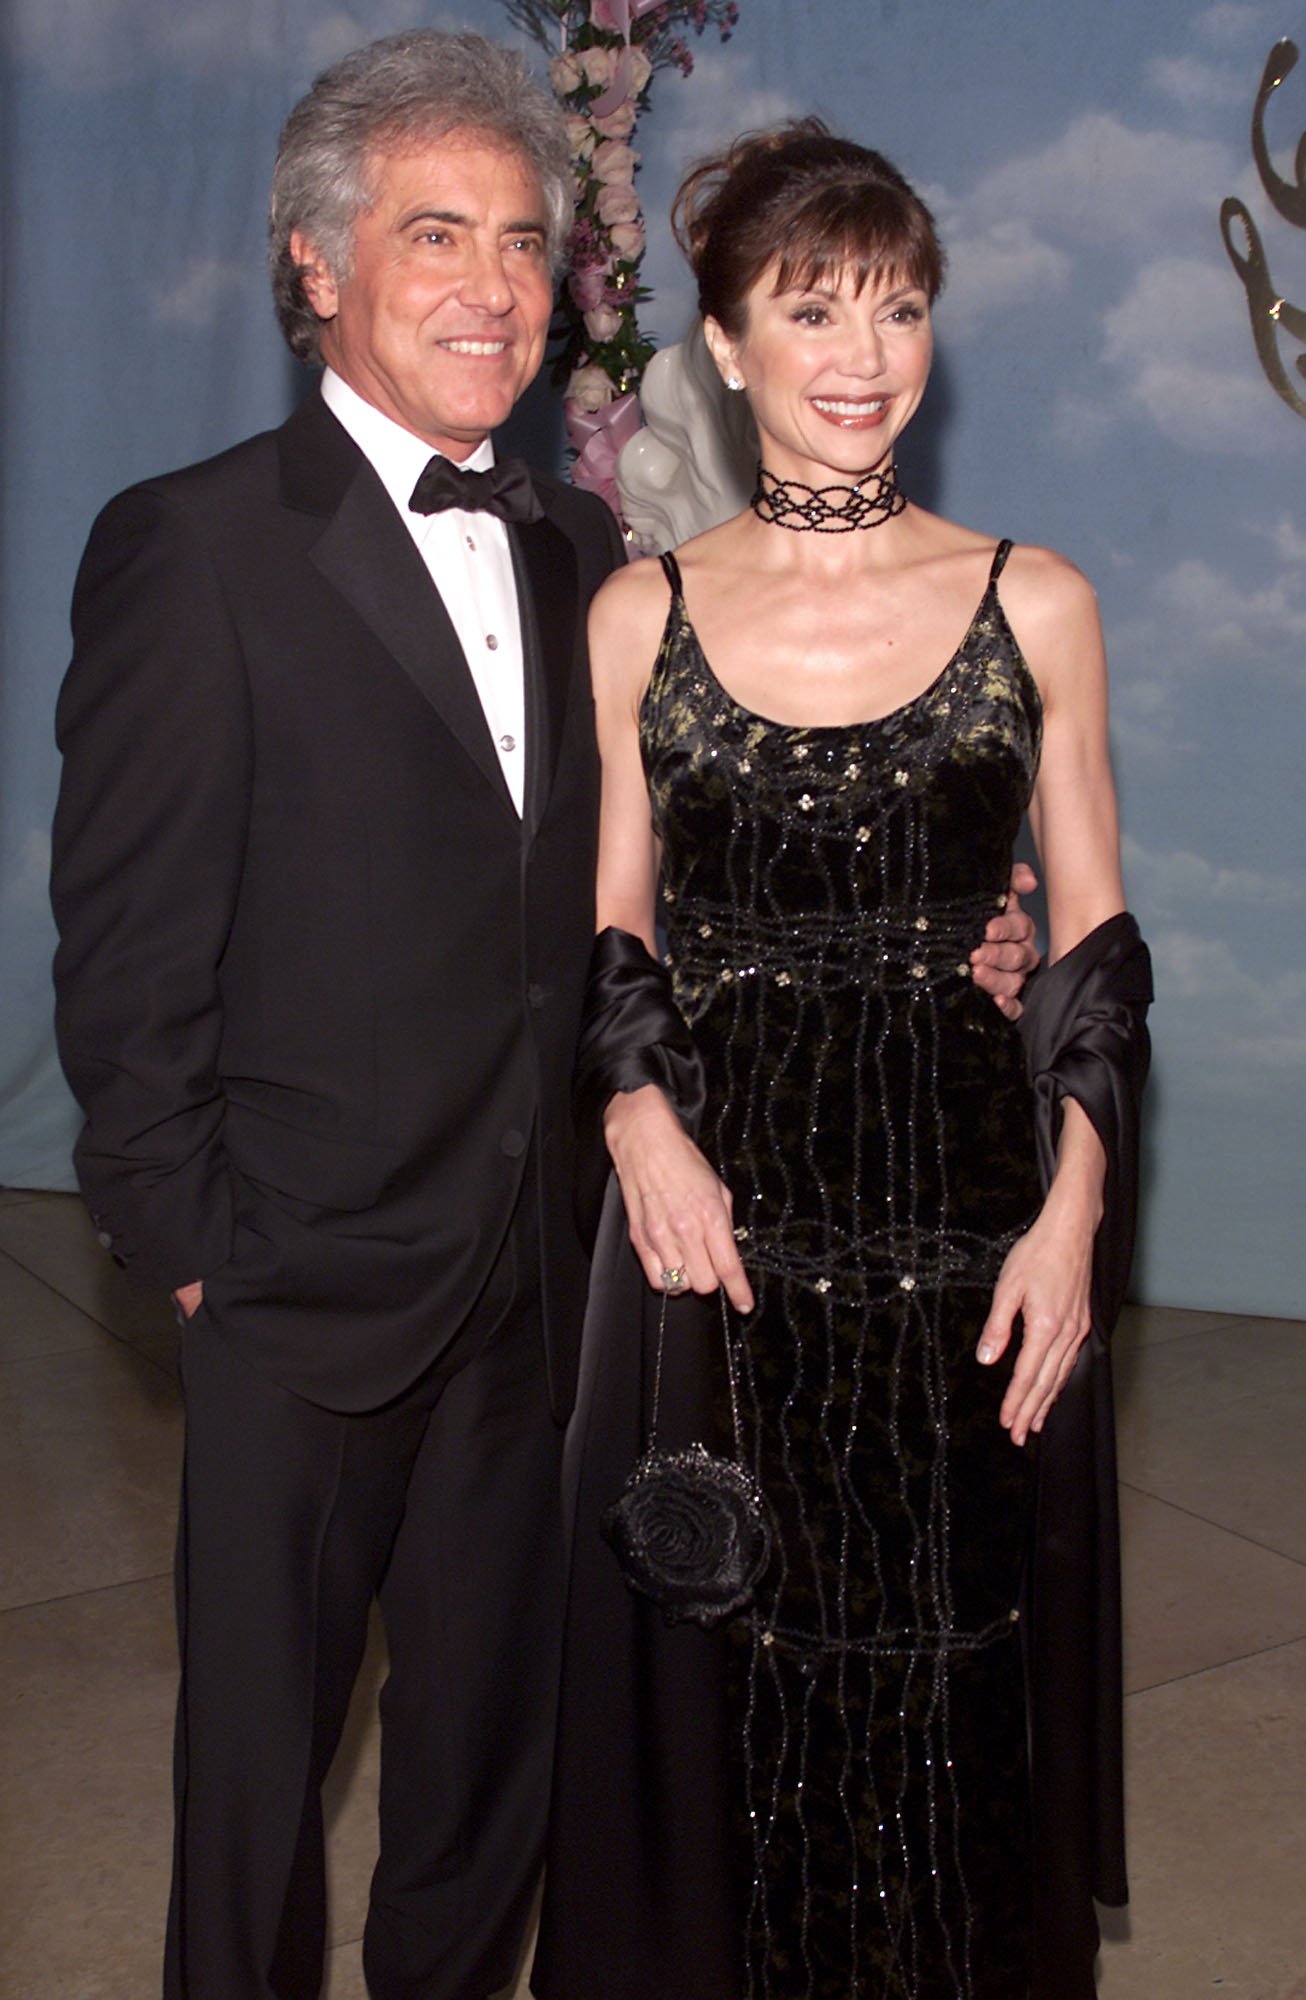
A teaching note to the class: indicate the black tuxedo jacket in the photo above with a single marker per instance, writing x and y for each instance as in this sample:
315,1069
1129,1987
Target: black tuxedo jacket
318,984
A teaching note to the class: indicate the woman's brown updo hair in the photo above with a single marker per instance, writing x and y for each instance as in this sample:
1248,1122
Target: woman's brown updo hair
813,205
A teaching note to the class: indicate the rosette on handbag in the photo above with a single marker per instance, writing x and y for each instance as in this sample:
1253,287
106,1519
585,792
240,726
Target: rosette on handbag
690,1528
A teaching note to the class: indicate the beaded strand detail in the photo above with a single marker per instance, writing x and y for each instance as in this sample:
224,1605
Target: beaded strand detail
827,510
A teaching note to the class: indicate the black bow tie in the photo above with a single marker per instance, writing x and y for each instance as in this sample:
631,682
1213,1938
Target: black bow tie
505,490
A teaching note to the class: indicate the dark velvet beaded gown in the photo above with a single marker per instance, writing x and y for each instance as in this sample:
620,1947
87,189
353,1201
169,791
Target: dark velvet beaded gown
870,1110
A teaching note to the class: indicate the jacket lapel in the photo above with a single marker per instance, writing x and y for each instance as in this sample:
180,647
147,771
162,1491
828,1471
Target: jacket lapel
547,588
366,553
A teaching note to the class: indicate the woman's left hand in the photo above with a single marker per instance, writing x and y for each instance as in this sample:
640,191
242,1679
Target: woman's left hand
1045,1279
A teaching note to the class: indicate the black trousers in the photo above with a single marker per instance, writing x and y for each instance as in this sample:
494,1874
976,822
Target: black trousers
444,1504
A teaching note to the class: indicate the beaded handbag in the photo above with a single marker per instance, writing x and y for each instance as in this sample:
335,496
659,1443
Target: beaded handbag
689,1528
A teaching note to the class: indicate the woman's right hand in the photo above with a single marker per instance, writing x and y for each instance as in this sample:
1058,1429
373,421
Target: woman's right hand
678,1209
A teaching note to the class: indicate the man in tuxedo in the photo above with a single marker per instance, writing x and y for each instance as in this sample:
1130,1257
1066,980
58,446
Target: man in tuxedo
324,860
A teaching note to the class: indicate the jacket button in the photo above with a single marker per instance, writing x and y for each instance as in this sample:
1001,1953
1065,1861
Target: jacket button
536,995
104,1240
513,1144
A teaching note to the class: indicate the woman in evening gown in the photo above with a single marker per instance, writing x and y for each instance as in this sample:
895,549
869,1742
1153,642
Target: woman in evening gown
821,724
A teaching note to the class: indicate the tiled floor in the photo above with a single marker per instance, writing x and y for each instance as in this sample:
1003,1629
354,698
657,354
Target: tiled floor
1213,1417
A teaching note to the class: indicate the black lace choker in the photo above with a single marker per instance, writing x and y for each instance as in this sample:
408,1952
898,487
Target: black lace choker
828,510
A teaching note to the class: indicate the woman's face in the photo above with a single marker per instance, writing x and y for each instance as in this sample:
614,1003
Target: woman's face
833,375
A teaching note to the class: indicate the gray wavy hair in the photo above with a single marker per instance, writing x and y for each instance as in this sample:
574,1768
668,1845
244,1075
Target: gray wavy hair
405,89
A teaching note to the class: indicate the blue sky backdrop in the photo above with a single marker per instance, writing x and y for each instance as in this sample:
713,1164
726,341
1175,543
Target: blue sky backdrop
1097,389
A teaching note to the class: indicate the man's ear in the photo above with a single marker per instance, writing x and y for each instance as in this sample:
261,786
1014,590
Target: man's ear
320,288
722,349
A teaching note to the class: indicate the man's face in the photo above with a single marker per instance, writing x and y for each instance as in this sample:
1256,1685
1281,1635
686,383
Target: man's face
443,321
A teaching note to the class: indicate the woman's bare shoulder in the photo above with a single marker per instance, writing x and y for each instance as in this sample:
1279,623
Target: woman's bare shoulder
1042,586
627,619
637,593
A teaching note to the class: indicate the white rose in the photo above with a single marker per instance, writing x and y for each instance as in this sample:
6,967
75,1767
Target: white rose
641,69
591,388
615,161
627,239
565,73
618,124
617,203
580,136
602,323
599,65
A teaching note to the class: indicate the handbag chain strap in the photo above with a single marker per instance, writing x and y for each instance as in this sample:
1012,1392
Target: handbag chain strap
730,1376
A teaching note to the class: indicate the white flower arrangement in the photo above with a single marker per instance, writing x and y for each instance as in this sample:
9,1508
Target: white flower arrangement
610,50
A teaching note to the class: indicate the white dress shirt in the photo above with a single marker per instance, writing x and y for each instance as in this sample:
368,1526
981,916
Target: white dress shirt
470,562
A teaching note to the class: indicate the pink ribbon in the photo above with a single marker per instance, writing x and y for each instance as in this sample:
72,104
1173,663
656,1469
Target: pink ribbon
597,438
617,16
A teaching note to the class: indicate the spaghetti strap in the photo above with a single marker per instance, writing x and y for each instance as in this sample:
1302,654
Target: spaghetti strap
1000,555
671,569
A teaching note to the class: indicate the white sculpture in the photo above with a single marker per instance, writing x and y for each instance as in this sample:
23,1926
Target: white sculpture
695,461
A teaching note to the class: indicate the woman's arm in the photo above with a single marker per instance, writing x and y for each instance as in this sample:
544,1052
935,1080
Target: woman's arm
1053,612
677,1209
624,629
1046,1276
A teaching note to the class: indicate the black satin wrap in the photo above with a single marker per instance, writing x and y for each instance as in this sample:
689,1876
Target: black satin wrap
643,1725
1085,1035
632,1033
